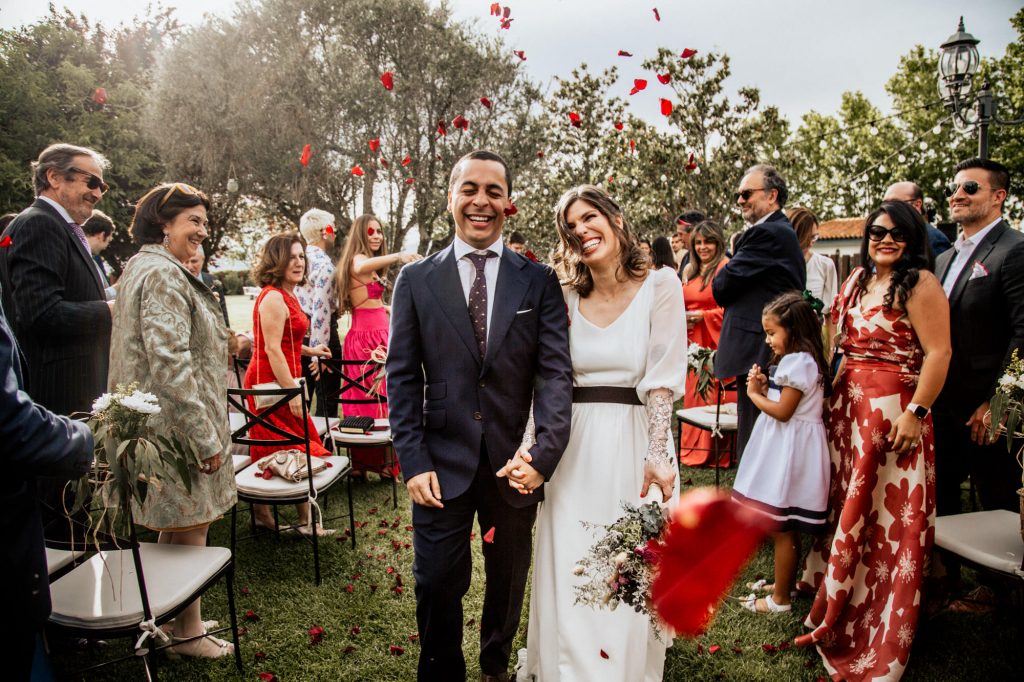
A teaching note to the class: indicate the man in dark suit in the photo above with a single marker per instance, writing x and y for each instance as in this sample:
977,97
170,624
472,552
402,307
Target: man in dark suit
983,275
35,442
477,332
99,231
766,262
53,295
195,266
910,193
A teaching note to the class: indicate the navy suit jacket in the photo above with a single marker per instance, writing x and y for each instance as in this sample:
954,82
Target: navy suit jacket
35,442
446,401
986,319
56,304
767,262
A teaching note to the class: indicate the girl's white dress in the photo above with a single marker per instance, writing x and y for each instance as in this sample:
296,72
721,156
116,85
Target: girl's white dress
785,468
603,466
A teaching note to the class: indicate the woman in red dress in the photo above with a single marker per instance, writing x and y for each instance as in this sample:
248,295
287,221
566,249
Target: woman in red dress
703,326
279,326
867,570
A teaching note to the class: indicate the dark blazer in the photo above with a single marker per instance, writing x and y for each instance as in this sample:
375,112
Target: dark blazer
767,261
986,319
35,442
937,241
444,398
57,307
217,288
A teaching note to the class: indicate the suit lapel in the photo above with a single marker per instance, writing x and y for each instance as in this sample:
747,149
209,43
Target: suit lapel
76,243
979,255
446,287
509,291
943,262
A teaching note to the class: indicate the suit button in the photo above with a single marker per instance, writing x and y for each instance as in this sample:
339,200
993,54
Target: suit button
477,416
482,384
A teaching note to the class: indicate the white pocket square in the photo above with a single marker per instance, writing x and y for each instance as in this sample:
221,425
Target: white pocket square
523,312
977,271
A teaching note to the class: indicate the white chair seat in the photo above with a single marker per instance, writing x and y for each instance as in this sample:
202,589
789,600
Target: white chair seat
381,435
988,538
56,559
240,462
248,483
103,592
321,424
704,417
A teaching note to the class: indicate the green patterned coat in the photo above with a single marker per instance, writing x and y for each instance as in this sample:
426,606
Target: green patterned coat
169,336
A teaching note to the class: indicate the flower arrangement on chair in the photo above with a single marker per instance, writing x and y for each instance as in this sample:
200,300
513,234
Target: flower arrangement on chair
1006,414
702,361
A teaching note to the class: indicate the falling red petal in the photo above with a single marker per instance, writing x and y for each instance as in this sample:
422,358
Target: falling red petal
489,535
574,119
461,122
520,53
532,256
638,85
387,79
510,210
406,161
632,145
486,102
6,241
374,144
540,153
604,654
394,470
706,542
442,130
506,12
611,179
666,107
307,153
384,163
619,125
623,53
664,78
100,96
687,53
657,15
329,229
507,23
495,9
357,171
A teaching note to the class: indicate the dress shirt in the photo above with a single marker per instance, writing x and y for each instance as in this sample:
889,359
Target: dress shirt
467,271
67,216
964,250
318,297
822,280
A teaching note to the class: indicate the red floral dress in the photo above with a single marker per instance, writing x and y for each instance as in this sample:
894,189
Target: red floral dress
867,570
259,372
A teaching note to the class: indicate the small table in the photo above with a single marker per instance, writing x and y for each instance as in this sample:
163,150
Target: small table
712,418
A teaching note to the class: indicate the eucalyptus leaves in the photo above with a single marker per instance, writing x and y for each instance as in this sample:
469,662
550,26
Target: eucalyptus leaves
702,361
1007,405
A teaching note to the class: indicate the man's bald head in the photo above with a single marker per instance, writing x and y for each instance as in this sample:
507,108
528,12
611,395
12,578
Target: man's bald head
907,192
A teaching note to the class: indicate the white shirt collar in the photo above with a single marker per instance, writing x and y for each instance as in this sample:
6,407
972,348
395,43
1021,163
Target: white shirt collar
60,209
978,236
462,248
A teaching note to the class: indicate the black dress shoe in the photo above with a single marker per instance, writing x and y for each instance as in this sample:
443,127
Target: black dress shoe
500,677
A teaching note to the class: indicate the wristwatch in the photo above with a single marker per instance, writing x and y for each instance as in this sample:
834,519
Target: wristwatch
919,411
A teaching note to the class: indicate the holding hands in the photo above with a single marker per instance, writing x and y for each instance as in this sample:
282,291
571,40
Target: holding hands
757,382
521,476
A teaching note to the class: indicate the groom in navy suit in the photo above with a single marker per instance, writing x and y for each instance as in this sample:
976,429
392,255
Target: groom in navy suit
477,333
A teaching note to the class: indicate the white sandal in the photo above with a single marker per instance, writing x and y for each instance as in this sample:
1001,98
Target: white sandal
750,604
763,585
197,647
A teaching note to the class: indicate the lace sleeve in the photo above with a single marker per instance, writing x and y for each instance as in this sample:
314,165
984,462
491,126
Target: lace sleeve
659,421
529,434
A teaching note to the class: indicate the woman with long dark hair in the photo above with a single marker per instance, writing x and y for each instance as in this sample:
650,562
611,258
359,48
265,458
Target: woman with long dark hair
893,321
661,254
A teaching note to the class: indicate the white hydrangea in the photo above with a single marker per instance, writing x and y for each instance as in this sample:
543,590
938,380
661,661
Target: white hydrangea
144,403
101,403
1006,381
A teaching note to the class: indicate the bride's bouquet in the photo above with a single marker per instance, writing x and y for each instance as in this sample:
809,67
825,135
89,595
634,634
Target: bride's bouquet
702,361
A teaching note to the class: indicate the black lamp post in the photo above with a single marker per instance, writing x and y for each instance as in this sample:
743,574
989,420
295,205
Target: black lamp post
958,64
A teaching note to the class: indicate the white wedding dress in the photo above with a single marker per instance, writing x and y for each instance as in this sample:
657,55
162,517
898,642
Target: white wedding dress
602,467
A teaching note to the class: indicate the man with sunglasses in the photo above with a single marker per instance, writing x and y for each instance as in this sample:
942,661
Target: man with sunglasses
983,275
766,261
53,295
910,193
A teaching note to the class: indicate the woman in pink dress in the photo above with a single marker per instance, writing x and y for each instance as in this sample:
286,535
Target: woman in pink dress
893,322
361,279
703,326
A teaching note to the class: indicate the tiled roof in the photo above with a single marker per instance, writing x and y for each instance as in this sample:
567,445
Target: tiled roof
841,228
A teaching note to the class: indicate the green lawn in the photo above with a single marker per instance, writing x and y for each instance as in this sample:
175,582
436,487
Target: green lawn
277,577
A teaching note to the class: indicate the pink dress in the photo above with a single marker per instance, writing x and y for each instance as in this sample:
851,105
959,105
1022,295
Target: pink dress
369,332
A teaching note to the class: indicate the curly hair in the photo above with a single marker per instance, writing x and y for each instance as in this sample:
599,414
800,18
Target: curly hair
915,257
274,259
568,255
794,313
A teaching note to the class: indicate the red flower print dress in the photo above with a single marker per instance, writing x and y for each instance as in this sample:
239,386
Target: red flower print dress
867,570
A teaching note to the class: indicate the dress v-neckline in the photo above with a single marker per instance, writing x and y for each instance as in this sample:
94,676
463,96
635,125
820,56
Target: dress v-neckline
625,310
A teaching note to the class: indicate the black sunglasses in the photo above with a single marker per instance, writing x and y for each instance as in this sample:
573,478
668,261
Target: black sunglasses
746,194
970,187
876,233
93,182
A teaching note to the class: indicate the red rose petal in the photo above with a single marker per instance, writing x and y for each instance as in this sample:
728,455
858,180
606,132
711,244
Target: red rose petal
374,144
657,15
664,78
307,153
350,588
495,9
574,119
489,536
251,615
357,171
687,53
387,79
619,125
706,542
632,146
769,648
396,650
714,649
692,164
442,130
506,12
372,510
604,654
666,107
268,677
510,210
460,122
316,634
519,53
245,590
623,53
259,656
486,102
6,241
532,256
355,630
506,23
415,637
406,161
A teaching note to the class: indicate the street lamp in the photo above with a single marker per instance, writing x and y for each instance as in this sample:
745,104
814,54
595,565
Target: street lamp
958,64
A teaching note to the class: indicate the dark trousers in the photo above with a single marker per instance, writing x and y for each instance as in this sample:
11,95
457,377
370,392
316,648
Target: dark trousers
331,380
443,570
746,415
992,468
20,645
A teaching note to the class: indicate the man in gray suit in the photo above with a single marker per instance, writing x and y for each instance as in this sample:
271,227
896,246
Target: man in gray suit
983,275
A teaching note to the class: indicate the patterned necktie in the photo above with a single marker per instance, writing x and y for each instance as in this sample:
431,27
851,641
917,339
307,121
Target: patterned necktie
80,233
478,299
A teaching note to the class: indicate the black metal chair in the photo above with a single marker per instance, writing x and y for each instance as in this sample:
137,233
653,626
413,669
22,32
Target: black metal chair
717,428
254,489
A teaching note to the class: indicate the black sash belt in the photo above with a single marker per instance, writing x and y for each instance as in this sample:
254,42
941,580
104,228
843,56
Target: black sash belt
623,395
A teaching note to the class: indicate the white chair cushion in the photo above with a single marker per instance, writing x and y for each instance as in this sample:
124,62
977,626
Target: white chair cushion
248,483
321,424
988,538
103,593
381,435
240,462
56,559
704,416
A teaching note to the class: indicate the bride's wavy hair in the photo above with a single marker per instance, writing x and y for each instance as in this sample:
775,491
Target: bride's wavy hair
915,257
568,256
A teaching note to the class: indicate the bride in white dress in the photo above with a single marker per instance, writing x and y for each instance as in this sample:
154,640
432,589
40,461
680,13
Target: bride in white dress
627,338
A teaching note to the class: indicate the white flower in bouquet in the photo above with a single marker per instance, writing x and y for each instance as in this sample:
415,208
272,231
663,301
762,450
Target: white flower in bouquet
144,403
101,403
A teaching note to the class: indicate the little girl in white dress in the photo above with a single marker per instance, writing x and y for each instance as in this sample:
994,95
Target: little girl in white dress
784,472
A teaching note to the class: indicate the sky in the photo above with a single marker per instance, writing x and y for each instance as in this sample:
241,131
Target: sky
801,54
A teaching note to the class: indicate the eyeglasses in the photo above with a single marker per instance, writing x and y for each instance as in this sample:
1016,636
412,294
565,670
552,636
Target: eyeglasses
93,181
178,187
970,188
746,194
877,233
